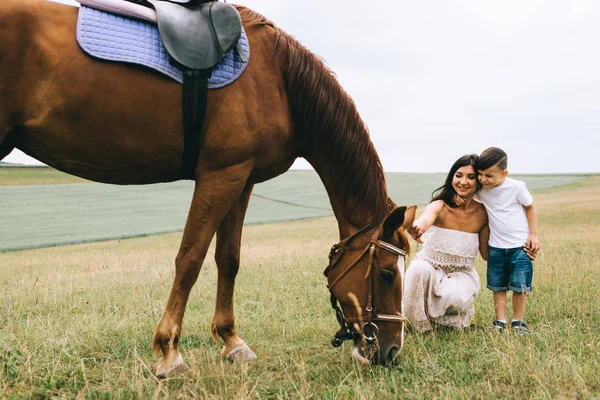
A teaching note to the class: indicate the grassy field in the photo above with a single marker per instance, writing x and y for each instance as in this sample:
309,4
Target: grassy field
76,321
43,207
11,175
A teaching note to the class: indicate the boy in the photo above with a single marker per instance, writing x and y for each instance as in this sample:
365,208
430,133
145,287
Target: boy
513,242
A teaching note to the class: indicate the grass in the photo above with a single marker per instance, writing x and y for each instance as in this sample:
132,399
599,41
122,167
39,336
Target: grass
14,175
40,206
76,321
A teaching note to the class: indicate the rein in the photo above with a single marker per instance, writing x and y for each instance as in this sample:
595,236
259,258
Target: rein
368,329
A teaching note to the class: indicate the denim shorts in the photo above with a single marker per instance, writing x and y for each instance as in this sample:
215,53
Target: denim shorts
509,269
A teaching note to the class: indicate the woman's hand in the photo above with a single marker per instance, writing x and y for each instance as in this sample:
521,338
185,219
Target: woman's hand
417,229
420,226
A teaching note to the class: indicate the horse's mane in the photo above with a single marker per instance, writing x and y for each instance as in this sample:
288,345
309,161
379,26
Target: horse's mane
332,129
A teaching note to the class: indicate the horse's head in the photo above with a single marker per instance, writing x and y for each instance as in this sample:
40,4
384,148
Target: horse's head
366,277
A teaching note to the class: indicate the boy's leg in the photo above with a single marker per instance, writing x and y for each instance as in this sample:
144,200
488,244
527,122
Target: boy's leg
500,305
520,281
497,280
518,301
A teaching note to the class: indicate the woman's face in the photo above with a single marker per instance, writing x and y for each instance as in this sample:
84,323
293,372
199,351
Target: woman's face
464,181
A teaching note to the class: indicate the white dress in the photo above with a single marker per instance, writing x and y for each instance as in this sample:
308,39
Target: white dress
441,282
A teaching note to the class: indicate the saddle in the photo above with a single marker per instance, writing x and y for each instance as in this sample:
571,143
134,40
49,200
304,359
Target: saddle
196,34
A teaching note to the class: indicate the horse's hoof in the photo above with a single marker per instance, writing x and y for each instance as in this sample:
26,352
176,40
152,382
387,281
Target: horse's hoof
241,354
176,368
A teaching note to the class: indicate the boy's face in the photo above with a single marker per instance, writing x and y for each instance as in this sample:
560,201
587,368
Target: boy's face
491,177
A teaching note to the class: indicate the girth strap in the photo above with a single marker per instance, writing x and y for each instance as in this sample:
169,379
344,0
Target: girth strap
195,88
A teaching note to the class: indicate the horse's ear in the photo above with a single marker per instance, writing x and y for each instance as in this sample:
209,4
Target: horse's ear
409,216
393,221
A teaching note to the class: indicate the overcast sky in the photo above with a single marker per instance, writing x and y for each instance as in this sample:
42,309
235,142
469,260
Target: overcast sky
434,80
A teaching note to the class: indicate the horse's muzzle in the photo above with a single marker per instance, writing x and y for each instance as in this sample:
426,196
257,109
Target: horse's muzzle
370,355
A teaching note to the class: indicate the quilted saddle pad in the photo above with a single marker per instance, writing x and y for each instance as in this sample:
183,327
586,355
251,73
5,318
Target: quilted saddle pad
118,38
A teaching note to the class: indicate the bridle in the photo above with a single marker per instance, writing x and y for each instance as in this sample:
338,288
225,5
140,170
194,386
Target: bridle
369,329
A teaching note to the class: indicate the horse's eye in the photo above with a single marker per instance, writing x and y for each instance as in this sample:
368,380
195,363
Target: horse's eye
387,276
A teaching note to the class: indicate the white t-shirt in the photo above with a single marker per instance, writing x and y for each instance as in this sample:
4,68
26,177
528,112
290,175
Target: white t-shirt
507,219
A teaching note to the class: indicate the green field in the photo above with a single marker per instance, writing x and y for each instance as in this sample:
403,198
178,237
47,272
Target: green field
76,321
43,207
15,174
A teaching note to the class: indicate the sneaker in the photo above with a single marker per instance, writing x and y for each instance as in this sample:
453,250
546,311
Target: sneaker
520,327
498,326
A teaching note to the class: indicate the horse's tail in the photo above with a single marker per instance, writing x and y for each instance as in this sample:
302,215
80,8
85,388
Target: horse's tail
331,127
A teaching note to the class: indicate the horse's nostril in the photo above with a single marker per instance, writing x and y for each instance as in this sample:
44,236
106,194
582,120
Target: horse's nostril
393,353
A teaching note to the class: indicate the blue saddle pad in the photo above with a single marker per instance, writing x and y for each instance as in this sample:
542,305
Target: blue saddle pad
118,38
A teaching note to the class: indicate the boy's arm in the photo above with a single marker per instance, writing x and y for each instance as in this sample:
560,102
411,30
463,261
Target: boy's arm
533,242
424,222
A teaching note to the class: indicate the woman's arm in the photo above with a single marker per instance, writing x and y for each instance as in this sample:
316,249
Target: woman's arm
424,222
484,236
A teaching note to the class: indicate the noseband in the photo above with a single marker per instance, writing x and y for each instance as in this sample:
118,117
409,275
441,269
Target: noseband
369,329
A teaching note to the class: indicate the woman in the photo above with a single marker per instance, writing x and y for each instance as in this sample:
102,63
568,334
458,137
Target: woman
441,282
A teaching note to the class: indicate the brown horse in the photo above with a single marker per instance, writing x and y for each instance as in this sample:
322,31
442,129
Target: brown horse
122,124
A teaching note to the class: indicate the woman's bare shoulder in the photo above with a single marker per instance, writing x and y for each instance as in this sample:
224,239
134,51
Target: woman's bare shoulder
437,204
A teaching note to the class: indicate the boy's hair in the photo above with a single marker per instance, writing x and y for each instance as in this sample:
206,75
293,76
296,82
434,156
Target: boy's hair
492,156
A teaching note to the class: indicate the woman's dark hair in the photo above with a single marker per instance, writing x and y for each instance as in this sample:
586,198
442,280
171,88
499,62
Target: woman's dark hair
446,192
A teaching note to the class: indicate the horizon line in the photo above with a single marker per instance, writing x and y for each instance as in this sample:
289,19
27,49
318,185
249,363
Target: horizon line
13,165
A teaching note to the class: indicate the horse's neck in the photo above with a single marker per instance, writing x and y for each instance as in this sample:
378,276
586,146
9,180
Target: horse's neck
351,214
334,139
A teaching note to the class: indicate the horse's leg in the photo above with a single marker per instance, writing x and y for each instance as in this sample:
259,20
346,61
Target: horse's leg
227,256
5,144
214,195
5,149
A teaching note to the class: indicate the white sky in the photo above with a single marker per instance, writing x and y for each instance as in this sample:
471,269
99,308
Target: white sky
437,79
